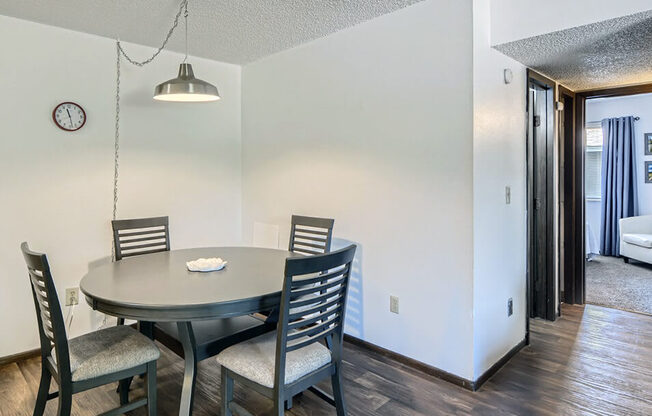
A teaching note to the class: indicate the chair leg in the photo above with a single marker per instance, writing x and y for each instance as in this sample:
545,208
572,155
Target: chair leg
288,403
43,390
146,328
150,382
338,392
121,321
127,383
123,390
279,406
65,401
227,392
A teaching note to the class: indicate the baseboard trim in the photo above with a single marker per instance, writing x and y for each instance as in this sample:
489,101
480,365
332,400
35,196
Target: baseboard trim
434,371
20,356
411,362
498,365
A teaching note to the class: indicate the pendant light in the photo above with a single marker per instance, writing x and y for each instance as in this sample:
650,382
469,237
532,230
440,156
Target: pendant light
185,87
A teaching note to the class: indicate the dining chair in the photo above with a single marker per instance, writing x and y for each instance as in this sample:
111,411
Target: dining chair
311,235
308,236
292,359
141,236
134,237
88,361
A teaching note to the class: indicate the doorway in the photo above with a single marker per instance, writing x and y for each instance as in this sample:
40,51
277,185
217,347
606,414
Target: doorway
586,194
618,270
541,197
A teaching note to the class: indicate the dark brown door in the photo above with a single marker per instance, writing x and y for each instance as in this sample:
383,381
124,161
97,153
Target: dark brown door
541,205
571,234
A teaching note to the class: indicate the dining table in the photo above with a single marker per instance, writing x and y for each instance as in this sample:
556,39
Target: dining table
158,287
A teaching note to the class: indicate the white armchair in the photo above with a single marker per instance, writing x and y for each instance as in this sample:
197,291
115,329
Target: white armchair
636,238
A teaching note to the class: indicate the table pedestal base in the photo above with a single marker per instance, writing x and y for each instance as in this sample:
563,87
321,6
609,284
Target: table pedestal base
187,338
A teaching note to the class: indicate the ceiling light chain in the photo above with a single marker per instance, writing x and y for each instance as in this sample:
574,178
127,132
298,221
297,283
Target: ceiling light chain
116,153
185,16
183,6
121,52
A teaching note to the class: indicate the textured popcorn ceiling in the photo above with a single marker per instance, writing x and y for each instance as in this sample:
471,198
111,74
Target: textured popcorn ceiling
236,31
604,54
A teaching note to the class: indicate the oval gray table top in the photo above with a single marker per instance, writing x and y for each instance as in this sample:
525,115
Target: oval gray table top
159,287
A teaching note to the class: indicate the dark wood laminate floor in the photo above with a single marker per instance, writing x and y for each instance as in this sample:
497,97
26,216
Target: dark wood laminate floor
592,361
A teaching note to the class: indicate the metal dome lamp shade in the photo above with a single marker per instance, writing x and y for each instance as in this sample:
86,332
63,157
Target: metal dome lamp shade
185,87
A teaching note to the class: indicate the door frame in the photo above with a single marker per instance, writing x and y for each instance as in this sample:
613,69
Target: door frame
550,308
579,277
571,198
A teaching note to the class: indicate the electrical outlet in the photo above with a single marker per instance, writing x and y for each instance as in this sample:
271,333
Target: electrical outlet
393,304
510,307
72,296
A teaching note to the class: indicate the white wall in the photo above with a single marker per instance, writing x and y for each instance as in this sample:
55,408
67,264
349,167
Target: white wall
373,126
632,105
378,126
56,187
499,230
519,19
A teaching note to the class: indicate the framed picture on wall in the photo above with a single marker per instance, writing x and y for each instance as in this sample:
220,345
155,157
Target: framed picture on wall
648,143
648,171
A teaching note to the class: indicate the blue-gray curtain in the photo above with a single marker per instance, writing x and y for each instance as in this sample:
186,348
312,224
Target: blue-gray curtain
619,191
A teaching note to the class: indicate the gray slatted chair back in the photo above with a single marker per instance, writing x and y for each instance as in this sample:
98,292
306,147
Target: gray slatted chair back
322,283
134,237
52,333
311,235
51,328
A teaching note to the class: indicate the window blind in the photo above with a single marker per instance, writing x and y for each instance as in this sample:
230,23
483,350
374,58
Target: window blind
593,162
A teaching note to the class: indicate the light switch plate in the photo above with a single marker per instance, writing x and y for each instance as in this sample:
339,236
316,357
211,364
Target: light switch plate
393,304
508,195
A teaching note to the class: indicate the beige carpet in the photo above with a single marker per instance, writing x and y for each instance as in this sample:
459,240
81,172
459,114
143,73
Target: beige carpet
613,283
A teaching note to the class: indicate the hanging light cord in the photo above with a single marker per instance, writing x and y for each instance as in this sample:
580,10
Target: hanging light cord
185,16
183,6
116,154
116,150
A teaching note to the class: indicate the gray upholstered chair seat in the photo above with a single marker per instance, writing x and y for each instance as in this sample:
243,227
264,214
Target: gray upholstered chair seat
255,360
108,351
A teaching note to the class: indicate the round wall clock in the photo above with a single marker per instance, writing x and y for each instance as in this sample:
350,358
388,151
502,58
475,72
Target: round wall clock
69,116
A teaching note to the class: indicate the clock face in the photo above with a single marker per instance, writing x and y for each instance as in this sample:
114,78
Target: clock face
69,116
